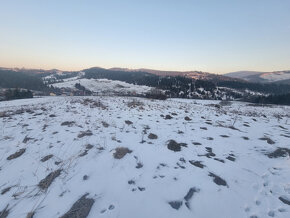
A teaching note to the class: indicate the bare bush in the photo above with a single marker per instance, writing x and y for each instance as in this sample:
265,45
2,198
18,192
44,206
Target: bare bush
135,103
156,94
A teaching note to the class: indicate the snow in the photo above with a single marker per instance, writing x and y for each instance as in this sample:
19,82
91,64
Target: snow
254,181
276,76
103,86
266,76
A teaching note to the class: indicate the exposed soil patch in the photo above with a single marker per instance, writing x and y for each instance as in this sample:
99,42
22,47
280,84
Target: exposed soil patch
83,153
284,135
30,215
197,163
175,204
139,165
168,117
16,154
131,182
47,157
279,152
152,136
196,143
174,146
284,200
5,190
57,162
85,177
4,213
128,122
68,123
85,133
231,158
81,208
46,182
26,139
89,146
190,193
220,160
141,189
218,180
282,127
44,127
208,149
105,124
179,165
269,141
120,152
209,153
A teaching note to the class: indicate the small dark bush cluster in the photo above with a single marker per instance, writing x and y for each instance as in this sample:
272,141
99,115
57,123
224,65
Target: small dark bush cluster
273,99
17,94
82,88
156,94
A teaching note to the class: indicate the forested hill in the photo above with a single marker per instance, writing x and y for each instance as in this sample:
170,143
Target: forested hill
175,86
182,83
19,79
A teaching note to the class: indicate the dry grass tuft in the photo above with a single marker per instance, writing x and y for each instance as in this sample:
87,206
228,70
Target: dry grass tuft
120,152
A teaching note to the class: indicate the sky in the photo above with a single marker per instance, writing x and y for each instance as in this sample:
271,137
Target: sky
217,36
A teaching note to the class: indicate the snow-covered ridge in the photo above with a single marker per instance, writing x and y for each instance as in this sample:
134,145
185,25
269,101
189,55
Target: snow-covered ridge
103,86
276,76
253,76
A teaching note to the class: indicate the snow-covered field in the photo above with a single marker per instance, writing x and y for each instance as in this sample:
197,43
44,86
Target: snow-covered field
141,158
103,86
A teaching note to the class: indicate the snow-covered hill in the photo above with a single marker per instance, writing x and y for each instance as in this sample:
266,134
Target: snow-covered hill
130,157
264,77
106,86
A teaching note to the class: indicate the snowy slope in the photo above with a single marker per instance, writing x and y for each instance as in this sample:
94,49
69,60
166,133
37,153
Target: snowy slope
220,170
264,77
103,85
276,76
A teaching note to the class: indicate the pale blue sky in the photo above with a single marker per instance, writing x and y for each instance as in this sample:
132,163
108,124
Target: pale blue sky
216,36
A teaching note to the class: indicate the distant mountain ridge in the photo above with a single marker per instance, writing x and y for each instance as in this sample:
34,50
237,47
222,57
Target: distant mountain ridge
198,75
281,77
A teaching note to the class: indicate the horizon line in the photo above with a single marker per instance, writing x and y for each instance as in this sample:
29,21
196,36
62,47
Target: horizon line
138,69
